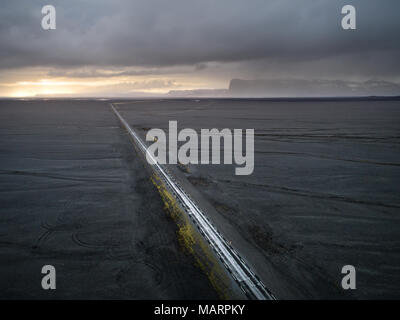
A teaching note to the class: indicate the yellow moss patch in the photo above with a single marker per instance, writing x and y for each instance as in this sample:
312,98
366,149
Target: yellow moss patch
194,243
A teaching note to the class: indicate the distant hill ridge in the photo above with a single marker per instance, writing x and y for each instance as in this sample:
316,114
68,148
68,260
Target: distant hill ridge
295,88
311,88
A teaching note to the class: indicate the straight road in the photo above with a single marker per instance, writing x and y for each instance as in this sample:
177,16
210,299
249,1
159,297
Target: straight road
247,280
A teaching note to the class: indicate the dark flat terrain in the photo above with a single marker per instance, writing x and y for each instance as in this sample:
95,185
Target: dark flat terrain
75,195
325,191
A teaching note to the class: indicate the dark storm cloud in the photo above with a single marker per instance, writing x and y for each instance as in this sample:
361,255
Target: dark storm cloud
177,32
94,73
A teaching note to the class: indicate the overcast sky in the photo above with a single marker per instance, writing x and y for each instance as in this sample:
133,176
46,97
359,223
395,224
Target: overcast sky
121,47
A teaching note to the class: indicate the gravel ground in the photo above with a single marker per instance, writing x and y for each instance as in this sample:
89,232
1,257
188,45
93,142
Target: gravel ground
75,195
324,192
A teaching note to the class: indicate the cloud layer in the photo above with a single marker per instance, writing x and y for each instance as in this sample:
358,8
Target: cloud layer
244,39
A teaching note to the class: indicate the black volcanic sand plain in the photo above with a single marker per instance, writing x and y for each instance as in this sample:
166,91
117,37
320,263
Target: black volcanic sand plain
325,190
74,194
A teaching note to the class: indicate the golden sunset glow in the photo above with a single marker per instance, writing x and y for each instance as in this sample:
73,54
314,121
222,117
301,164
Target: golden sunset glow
38,82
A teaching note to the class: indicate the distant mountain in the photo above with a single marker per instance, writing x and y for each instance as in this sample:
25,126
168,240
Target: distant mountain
310,88
209,93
